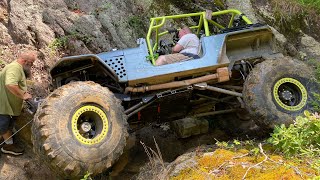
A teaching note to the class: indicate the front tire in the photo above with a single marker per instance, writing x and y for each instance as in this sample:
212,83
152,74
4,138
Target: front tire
276,91
80,128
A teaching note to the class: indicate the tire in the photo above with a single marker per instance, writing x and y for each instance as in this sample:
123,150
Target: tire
276,91
68,149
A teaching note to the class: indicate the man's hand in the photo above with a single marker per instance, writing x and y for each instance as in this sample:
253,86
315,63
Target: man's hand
26,96
177,48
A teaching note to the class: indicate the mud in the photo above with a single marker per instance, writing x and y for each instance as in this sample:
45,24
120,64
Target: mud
24,167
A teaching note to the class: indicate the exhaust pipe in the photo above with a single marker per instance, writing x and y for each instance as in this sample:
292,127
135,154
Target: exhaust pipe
222,75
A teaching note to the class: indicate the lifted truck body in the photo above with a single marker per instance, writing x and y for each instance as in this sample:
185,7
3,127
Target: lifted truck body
130,67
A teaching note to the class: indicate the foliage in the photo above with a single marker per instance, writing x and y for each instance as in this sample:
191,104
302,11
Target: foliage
316,103
59,43
299,139
155,56
316,100
83,37
102,8
135,22
87,176
311,3
62,42
316,65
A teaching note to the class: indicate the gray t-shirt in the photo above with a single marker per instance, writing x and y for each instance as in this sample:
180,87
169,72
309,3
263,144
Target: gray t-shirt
190,43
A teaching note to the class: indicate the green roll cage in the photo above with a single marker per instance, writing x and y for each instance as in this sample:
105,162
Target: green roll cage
204,20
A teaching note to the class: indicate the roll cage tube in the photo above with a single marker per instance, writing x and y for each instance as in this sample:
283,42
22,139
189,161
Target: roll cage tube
158,22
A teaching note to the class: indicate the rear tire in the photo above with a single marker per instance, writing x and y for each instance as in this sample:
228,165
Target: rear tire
276,91
81,127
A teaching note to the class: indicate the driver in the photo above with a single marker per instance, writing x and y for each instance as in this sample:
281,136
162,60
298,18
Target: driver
186,48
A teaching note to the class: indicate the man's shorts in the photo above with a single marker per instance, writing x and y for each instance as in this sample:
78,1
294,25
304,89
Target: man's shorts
6,123
172,58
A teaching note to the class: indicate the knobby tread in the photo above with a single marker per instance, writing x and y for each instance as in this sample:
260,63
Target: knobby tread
257,92
45,129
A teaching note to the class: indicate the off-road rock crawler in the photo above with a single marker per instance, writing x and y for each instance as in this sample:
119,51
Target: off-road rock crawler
82,125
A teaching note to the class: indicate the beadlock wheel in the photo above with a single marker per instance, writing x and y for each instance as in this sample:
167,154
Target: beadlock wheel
290,94
89,124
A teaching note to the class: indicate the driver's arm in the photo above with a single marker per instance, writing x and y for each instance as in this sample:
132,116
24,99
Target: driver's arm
177,48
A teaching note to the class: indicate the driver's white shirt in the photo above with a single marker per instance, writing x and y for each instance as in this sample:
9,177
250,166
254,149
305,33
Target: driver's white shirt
190,43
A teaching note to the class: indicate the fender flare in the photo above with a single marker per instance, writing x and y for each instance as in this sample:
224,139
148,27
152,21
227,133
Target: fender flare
70,63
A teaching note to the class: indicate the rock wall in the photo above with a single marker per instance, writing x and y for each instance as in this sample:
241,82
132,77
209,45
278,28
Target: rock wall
73,27
297,24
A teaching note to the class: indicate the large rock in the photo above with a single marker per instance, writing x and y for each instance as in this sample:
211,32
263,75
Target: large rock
32,31
310,46
190,126
244,6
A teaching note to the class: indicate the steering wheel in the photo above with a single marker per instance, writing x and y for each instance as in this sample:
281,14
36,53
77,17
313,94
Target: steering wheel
175,37
164,48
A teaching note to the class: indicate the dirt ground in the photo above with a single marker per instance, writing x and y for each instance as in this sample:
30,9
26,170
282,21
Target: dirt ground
28,166
24,167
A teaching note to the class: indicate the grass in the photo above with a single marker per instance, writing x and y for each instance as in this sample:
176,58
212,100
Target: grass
311,7
313,3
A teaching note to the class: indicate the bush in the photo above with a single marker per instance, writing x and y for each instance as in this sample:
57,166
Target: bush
299,139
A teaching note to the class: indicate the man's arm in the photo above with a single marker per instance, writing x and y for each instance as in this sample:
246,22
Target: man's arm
177,48
14,89
13,76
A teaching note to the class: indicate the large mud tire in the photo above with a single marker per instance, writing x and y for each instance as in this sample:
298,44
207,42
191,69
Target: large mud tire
71,152
276,91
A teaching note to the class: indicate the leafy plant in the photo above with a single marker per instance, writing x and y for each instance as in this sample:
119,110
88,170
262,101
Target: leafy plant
311,3
225,145
316,103
135,22
236,142
316,66
316,165
59,43
87,176
155,56
299,139
99,9
62,42
83,37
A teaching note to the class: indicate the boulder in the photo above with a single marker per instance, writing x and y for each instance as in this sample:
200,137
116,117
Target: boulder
190,126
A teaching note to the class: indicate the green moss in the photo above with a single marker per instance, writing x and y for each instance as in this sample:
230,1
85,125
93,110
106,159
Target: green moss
228,164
